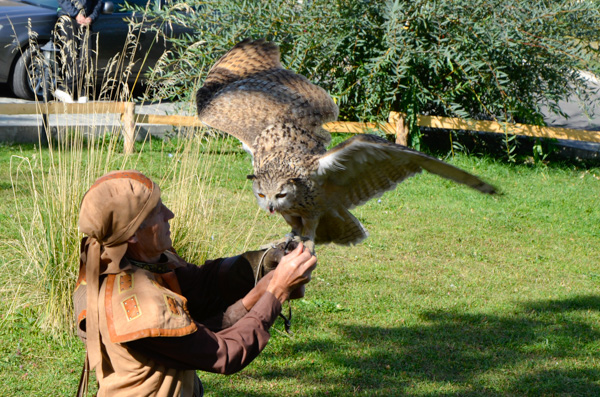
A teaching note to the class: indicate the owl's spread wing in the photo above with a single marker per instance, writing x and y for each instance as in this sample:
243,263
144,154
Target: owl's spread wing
247,90
366,166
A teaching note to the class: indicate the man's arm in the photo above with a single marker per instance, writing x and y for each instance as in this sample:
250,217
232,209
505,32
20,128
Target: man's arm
230,350
222,291
224,352
96,10
67,7
213,301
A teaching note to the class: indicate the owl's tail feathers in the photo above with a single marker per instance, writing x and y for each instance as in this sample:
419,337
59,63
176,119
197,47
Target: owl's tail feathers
339,226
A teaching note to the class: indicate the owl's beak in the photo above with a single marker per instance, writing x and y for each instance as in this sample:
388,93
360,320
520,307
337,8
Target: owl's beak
271,209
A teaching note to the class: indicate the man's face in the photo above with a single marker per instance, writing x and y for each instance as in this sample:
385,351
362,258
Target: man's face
154,236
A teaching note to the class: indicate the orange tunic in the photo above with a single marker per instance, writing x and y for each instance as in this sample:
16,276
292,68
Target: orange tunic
151,345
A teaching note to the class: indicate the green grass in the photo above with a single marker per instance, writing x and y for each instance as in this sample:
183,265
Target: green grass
453,293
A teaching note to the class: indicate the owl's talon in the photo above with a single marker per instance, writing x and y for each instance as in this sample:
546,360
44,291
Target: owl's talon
291,235
290,241
273,244
308,243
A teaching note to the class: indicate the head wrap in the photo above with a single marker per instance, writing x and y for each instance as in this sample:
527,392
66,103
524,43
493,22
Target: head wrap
111,212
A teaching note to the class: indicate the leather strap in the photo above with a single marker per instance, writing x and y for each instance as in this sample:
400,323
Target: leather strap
84,379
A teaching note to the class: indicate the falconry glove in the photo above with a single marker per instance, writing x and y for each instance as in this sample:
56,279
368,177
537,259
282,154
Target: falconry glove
239,274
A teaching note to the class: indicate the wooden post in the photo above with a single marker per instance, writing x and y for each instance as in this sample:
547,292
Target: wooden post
128,127
401,129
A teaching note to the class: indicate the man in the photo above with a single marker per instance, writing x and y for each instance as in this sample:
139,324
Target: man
148,318
73,38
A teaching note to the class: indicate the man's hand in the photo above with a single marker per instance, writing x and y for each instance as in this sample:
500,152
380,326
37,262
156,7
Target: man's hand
83,20
294,270
263,262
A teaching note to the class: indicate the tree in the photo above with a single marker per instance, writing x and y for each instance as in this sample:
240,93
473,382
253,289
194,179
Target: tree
479,59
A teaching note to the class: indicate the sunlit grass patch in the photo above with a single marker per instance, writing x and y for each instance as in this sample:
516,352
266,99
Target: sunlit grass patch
454,292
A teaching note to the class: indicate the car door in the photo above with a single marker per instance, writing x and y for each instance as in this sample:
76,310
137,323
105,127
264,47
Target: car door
112,30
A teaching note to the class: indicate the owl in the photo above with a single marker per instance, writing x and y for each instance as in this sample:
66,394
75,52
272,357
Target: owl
278,116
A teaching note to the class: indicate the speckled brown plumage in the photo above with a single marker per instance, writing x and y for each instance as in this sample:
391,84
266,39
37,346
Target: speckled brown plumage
278,116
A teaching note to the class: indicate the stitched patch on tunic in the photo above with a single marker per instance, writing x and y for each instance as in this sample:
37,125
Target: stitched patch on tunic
125,282
132,308
172,305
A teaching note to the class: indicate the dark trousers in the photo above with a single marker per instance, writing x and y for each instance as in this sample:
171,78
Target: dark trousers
74,43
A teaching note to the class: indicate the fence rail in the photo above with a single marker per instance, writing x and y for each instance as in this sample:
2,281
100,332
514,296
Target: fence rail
452,123
395,124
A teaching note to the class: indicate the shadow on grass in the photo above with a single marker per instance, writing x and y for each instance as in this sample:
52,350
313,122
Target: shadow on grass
543,348
553,153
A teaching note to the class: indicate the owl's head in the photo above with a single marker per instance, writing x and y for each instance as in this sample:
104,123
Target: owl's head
274,195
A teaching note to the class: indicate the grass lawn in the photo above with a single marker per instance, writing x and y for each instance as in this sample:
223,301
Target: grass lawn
453,293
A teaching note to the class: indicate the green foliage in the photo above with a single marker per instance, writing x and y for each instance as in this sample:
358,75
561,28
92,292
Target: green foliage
482,59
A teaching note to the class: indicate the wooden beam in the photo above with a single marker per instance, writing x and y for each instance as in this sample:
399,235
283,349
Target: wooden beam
128,119
20,108
60,108
179,121
401,130
192,121
515,129
358,127
394,126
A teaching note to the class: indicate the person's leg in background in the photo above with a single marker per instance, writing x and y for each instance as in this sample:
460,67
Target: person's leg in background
73,42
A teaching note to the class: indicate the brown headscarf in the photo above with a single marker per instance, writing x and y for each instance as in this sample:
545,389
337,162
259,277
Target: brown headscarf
111,212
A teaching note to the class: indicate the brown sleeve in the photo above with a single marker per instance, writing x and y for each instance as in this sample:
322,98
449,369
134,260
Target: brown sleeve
199,285
224,320
224,352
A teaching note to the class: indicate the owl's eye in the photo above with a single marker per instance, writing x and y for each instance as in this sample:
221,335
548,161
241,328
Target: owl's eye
280,195
261,195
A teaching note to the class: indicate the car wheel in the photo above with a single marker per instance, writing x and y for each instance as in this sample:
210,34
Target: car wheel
32,77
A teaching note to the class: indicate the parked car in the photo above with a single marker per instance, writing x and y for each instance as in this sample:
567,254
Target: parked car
21,57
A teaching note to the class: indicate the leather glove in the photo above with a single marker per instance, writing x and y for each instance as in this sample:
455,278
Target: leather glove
238,275
268,257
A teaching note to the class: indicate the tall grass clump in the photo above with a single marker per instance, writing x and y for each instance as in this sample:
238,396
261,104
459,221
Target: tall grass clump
47,188
49,184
